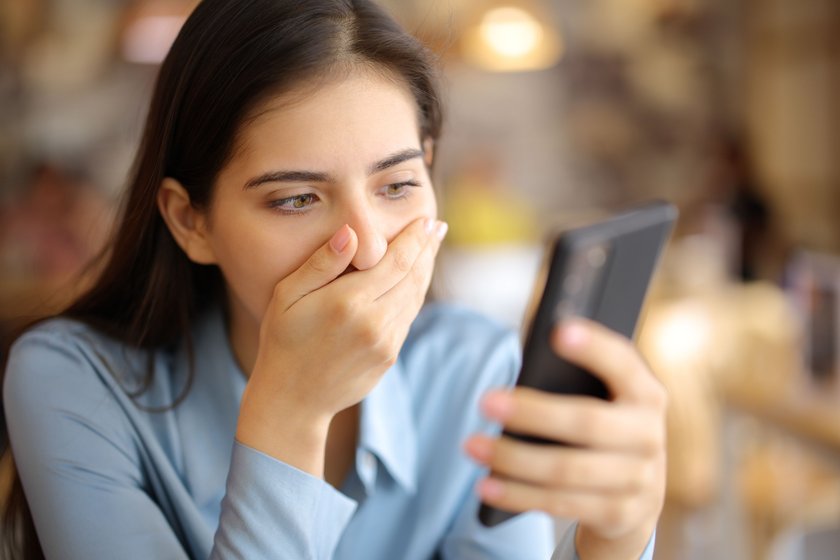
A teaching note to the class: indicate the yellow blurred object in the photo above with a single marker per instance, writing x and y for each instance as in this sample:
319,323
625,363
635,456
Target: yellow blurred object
479,216
483,210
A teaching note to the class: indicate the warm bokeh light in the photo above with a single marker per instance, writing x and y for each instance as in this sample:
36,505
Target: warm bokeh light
511,32
509,39
682,333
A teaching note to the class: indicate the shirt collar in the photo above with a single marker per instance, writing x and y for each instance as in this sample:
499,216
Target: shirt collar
387,428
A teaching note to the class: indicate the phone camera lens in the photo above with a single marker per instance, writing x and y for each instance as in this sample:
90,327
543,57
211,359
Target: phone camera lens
596,257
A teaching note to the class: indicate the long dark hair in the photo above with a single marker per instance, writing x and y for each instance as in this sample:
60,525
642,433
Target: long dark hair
230,56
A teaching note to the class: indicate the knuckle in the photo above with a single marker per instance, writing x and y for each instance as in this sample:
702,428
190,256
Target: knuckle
369,335
402,260
385,349
343,310
319,263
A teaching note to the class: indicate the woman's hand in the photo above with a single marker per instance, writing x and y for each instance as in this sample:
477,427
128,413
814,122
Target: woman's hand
327,338
611,475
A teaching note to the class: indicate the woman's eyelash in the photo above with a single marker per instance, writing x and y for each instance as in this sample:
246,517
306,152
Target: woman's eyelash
401,185
301,203
289,205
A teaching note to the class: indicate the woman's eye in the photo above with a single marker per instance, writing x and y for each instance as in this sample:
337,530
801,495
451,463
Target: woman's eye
295,203
399,190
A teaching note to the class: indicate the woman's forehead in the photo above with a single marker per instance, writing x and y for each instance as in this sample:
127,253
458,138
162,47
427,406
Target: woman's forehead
363,103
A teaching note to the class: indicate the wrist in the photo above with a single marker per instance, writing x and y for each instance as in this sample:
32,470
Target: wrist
288,432
631,546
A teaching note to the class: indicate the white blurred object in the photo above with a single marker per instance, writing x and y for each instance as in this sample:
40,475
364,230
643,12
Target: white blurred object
682,332
495,281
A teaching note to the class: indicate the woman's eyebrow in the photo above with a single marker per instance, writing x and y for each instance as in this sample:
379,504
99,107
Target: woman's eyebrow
288,177
319,177
395,159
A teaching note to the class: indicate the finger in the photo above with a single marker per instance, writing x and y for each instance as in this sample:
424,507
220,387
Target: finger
397,263
411,290
324,266
562,468
401,303
609,356
590,508
575,420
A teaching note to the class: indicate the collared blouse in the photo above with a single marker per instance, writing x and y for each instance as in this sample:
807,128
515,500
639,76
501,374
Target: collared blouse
111,470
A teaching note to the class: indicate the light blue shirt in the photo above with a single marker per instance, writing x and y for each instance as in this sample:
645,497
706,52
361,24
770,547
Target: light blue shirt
106,476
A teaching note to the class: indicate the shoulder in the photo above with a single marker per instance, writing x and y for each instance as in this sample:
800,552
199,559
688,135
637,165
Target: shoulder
451,343
61,358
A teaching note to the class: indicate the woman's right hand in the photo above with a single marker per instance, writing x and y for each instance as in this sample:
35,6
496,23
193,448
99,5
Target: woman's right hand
327,338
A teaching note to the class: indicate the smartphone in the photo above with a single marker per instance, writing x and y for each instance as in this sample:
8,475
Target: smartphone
600,271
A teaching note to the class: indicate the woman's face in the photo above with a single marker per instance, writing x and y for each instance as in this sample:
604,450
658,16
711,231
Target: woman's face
346,153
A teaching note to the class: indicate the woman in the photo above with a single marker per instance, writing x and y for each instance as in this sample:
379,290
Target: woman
252,375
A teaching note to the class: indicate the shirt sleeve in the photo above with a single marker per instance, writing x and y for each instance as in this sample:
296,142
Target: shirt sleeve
80,471
273,510
91,486
528,536
566,546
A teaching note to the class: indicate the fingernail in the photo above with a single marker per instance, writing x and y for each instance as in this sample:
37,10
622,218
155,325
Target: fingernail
573,335
490,489
429,226
341,238
479,449
498,406
441,229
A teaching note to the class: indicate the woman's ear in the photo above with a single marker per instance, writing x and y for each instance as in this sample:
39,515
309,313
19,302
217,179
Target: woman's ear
187,225
428,151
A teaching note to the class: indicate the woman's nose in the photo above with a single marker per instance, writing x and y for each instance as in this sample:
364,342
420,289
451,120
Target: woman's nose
372,240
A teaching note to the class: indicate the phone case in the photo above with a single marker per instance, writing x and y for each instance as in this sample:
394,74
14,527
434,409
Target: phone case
602,272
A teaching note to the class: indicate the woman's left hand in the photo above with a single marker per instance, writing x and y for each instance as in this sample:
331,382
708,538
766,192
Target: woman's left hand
610,475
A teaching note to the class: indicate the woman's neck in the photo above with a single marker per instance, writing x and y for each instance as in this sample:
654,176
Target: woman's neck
341,445
244,336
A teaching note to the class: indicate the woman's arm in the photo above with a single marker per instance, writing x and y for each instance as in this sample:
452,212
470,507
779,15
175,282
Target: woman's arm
78,457
100,484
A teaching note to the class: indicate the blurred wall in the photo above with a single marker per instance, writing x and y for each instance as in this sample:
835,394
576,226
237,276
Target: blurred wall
792,111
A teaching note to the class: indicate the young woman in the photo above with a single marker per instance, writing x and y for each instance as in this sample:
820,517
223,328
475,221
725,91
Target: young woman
254,374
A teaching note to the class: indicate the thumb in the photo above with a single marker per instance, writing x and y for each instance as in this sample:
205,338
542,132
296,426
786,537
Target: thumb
324,266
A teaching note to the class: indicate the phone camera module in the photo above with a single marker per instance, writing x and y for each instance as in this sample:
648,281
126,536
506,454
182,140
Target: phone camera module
596,257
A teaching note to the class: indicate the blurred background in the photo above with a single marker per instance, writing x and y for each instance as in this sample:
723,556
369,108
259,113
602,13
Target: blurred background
558,111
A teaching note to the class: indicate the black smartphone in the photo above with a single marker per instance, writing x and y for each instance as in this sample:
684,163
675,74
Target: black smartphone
600,271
